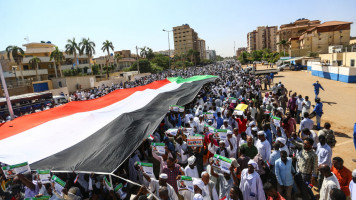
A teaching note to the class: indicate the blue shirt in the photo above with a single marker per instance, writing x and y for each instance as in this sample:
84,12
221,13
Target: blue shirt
219,122
275,155
269,136
318,109
317,86
284,172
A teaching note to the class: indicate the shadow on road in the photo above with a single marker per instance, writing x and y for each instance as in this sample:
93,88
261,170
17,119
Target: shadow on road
339,134
329,102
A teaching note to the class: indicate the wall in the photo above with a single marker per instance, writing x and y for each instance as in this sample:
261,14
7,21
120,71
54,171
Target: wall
343,74
85,82
117,80
58,91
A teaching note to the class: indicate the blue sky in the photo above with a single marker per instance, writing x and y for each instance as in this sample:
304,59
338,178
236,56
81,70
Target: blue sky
132,22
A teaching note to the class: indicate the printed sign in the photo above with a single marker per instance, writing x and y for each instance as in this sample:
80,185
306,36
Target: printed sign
241,107
188,131
172,131
147,168
211,129
185,183
158,147
176,108
276,121
38,198
194,141
118,190
208,115
11,170
222,163
58,184
44,176
221,134
107,183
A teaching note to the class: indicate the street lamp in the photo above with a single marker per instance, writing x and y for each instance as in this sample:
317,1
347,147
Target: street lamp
169,47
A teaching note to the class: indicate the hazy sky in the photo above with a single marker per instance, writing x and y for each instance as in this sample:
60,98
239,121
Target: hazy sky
131,22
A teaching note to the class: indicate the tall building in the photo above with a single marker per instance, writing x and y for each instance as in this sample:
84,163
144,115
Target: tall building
185,38
293,30
202,48
240,50
211,55
318,39
261,38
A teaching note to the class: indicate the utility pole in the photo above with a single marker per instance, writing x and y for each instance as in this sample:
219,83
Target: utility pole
138,62
9,106
234,50
169,47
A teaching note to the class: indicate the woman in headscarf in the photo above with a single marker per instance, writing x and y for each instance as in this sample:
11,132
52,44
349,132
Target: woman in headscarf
251,183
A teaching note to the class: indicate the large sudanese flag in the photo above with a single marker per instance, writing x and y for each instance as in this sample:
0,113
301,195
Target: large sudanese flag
95,135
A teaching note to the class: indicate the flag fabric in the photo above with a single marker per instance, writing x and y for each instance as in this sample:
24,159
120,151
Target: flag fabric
76,179
94,135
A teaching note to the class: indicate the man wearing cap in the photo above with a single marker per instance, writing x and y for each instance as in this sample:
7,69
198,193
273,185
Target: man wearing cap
263,146
226,125
200,124
317,86
156,185
209,186
191,170
251,183
282,144
251,125
199,192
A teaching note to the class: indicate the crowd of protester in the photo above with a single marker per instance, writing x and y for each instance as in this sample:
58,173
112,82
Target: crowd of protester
270,157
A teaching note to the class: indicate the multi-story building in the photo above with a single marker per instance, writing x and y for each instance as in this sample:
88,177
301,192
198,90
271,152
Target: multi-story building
202,48
185,38
46,68
261,38
293,30
240,50
319,38
211,55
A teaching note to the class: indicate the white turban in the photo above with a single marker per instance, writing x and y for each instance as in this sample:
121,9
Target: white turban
255,128
198,197
260,133
253,163
281,140
199,183
252,123
163,176
191,160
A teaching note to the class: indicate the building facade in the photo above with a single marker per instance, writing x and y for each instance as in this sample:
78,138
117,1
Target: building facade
185,38
240,50
211,55
319,38
293,30
202,48
261,38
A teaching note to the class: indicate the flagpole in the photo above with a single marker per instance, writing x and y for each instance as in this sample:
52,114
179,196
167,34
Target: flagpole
9,106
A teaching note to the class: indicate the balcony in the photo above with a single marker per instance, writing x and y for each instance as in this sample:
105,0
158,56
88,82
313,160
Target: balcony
26,73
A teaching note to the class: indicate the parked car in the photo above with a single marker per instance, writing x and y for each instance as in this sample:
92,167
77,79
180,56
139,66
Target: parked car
283,67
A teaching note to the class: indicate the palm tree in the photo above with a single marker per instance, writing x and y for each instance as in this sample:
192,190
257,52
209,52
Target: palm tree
17,54
34,62
117,58
107,45
87,47
72,48
150,55
58,57
143,52
283,43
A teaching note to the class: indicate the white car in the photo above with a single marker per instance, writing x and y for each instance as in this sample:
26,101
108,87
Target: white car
283,67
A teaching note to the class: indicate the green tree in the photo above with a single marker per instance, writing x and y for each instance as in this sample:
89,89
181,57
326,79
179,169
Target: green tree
161,60
150,55
107,45
143,52
243,58
87,47
194,56
17,54
71,49
145,66
34,62
283,43
58,57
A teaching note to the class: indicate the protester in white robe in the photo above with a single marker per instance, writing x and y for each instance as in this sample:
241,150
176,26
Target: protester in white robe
251,183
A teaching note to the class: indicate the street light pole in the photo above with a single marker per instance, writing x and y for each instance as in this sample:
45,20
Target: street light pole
138,62
9,106
169,48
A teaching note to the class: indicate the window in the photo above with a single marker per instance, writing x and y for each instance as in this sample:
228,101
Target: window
352,62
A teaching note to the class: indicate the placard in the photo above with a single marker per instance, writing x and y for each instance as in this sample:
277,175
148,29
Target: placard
185,183
211,128
44,176
58,184
147,168
194,141
158,147
172,131
10,171
176,108
222,163
221,134
208,115
276,121
38,198
188,131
